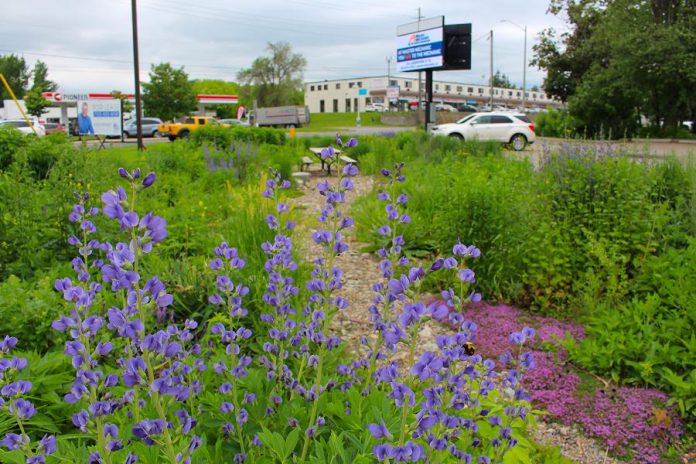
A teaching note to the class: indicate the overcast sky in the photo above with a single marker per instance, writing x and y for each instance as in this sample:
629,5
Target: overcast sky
87,44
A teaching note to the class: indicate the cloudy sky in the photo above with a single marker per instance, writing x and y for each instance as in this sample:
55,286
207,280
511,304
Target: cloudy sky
87,43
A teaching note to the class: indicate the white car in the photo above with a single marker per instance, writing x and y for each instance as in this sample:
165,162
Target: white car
445,107
375,108
24,127
509,128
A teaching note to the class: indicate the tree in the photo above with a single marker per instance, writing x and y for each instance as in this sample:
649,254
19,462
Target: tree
17,74
35,102
275,80
535,88
621,60
41,81
169,94
501,80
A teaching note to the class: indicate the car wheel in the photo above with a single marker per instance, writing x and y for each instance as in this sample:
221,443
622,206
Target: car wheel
126,134
154,134
171,138
518,142
183,134
457,135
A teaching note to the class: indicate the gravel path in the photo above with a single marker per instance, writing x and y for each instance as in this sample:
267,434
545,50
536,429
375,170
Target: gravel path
361,271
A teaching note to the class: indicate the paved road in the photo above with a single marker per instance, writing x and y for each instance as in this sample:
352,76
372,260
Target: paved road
648,149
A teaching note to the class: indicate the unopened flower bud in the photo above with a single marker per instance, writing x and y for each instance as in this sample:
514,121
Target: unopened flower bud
149,179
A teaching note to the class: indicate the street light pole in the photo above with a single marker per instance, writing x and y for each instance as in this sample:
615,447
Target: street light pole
491,81
386,90
524,58
524,73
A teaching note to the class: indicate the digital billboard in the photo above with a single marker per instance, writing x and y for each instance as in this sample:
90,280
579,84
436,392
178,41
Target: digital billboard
99,117
419,50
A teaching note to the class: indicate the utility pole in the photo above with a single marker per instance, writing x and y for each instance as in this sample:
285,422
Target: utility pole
386,90
491,81
524,74
136,70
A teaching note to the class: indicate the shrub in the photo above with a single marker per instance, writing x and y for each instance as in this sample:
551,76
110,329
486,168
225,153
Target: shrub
27,309
555,123
219,136
11,140
649,340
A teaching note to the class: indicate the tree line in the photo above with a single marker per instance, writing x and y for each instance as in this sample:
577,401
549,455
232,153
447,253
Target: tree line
271,80
622,63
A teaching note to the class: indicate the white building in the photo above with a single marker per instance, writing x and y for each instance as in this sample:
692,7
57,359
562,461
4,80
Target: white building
345,95
9,110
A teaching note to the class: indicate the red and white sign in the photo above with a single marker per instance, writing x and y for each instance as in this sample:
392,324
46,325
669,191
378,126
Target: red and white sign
57,97
240,112
217,99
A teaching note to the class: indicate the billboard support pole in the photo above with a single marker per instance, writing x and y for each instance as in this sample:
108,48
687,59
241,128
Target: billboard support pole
136,70
428,97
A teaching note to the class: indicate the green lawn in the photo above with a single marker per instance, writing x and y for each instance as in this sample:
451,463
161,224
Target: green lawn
330,122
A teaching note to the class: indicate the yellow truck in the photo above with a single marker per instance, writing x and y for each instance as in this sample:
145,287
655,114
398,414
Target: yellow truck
184,126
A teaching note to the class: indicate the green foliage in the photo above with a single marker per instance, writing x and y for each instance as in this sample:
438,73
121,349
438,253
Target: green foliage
35,102
555,123
620,60
11,141
479,200
501,80
650,340
275,80
40,78
202,207
35,301
219,136
17,74
169,94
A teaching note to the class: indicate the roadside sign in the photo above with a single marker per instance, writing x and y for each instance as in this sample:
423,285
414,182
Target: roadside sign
362,92
99,117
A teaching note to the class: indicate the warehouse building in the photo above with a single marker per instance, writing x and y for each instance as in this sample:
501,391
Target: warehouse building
346,95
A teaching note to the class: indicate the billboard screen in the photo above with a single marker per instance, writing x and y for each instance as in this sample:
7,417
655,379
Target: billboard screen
99,117
419,50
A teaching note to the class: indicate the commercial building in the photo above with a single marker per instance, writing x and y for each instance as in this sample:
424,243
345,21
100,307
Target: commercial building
346,95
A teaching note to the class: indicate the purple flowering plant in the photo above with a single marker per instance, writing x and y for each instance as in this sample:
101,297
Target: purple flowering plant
277,385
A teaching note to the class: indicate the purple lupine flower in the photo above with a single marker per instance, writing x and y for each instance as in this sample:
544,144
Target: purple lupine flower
379,430
382,452
12,441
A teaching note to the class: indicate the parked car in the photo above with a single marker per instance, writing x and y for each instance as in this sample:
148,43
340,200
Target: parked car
54,127
510,128
235,122
445,107
468,109
23,126
150,127
375,108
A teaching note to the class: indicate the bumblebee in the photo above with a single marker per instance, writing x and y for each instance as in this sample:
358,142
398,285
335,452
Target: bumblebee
469,348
